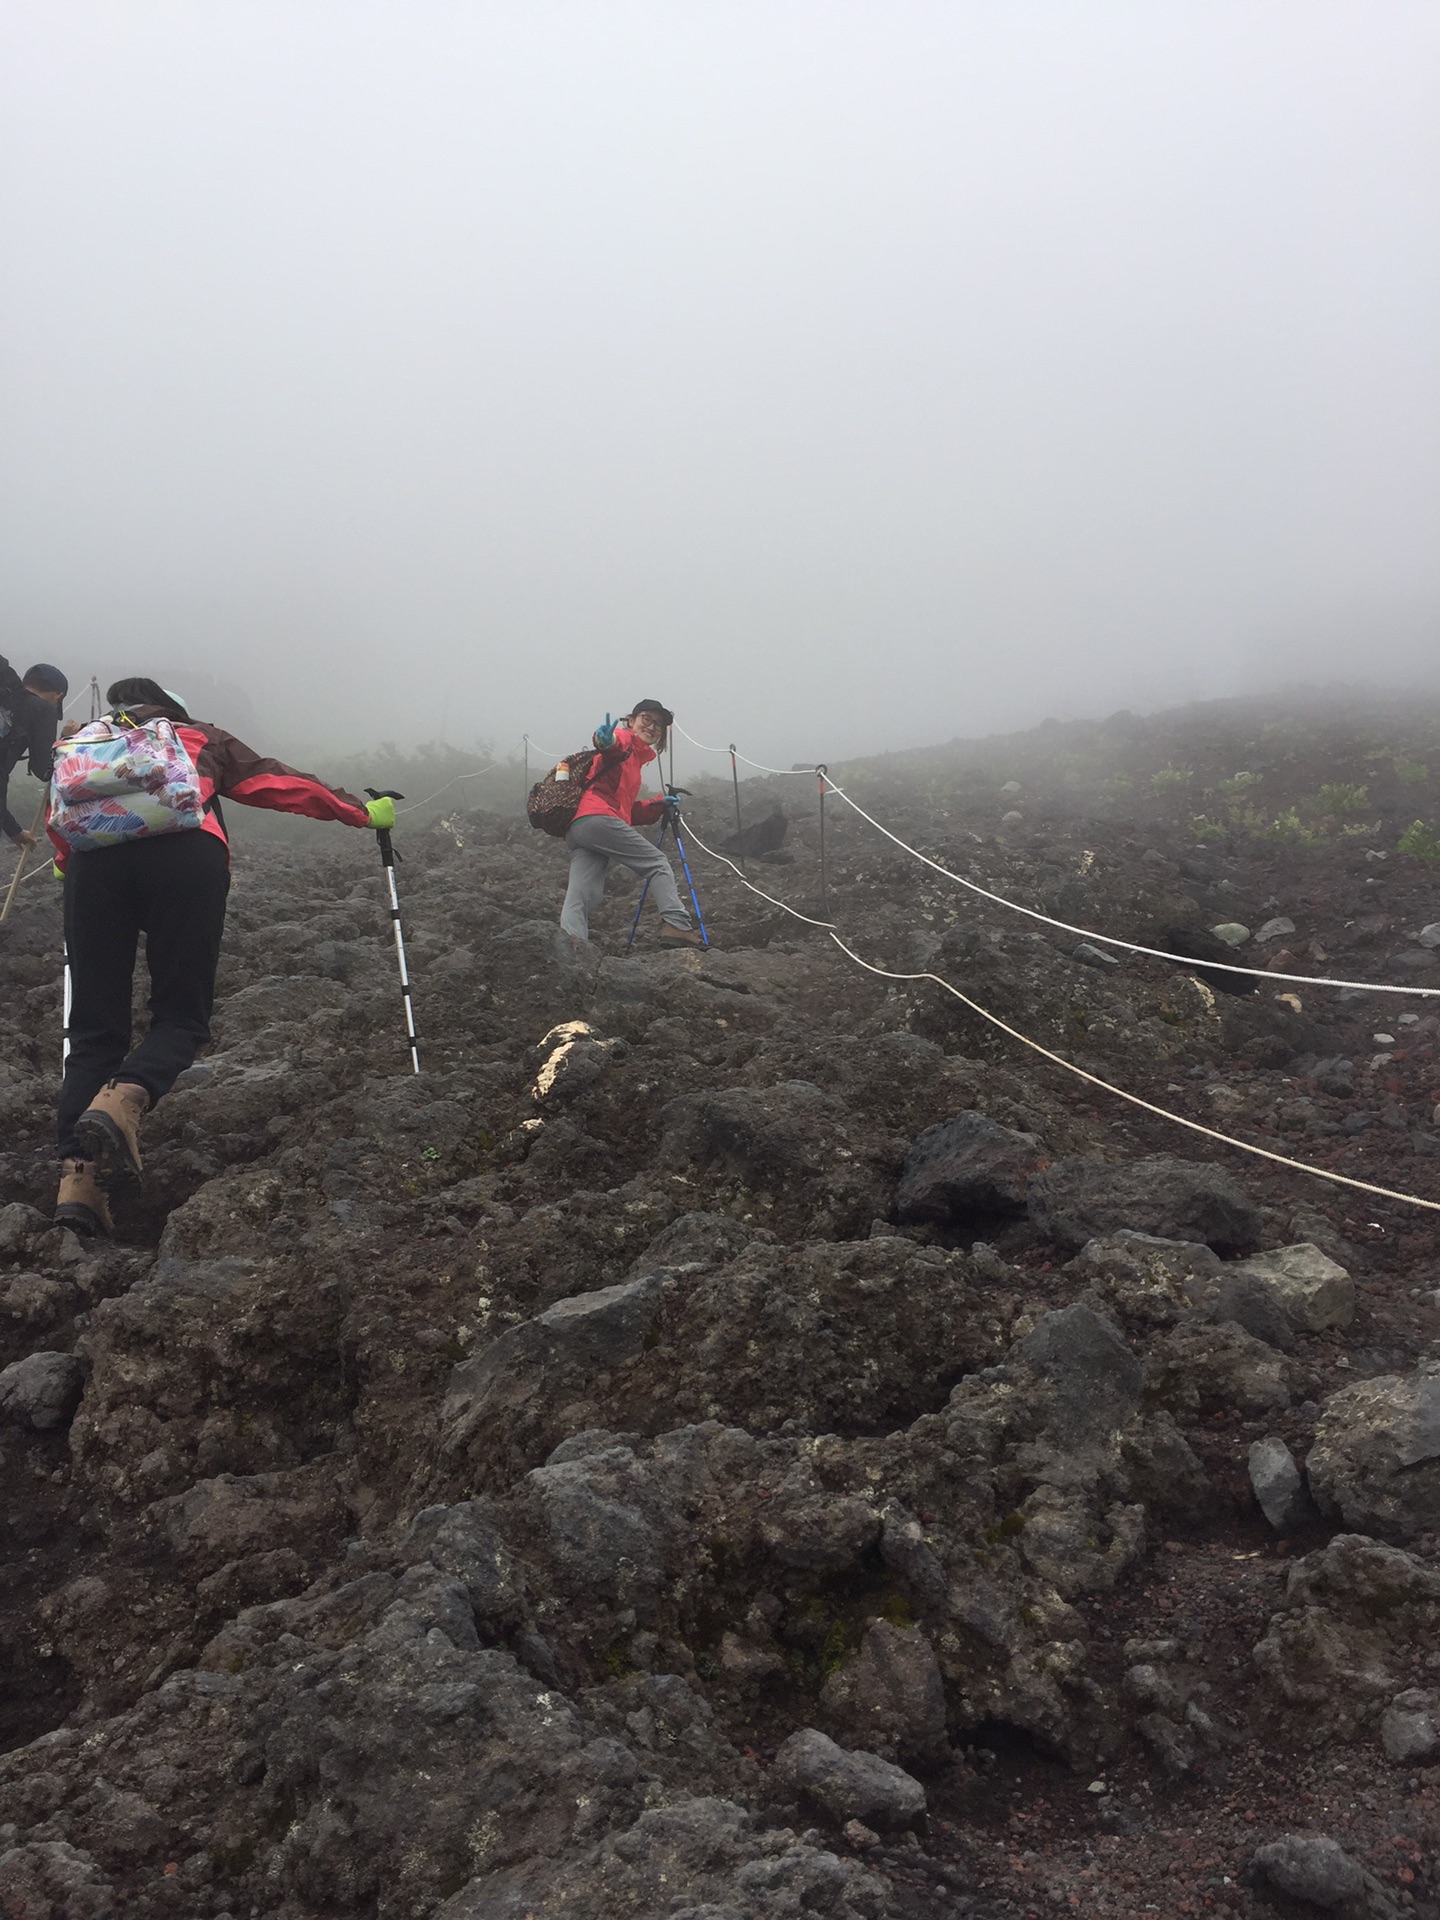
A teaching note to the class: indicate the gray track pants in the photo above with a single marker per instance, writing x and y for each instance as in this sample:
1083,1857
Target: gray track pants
594,842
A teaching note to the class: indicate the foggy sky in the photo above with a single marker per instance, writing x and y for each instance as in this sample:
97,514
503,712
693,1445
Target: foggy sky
845,375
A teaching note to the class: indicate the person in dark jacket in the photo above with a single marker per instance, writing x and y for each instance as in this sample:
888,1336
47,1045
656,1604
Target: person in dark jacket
606,822
172,887
34,715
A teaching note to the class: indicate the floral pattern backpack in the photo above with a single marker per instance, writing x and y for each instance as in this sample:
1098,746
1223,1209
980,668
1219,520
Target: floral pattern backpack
121,779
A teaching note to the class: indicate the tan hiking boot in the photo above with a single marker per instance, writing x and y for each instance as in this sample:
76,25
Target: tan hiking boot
109,1131
680,936
81,1204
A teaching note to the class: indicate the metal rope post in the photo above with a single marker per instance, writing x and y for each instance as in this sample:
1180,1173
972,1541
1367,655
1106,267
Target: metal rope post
526,739
820,773
739,824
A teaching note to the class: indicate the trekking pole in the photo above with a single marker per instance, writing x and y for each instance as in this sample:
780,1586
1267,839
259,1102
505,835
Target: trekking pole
739,828
65,1008
635,923
685,864
388,857
19,874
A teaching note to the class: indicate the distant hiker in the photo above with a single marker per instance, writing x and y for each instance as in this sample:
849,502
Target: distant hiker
605,825
29,718
130,867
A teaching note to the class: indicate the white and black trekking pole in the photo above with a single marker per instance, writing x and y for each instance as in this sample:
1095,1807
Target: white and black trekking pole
388,857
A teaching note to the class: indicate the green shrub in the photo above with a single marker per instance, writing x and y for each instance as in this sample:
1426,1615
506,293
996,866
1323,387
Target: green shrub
1340,801
1411,772
1169,779
1420,842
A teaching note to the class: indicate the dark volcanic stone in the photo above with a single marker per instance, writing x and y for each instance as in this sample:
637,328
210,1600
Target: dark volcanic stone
965,1168
1076,1200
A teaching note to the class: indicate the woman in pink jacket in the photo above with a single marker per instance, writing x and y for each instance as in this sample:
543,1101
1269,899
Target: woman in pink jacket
604,828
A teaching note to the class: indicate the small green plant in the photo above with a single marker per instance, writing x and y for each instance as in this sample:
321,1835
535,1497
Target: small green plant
1117,786
1341,801
1420,842
1170,779
1289,829
1204,829
1237,785
1410,772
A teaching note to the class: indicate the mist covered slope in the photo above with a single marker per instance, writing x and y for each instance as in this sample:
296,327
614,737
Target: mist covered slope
526,1487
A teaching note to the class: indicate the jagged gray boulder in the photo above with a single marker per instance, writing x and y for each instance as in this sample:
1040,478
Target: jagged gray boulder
1410,1729
1074,1201
1313,1867
1376,1455
1277,1484
1311,1290
890,1697
848,1784
43,1390
967,1168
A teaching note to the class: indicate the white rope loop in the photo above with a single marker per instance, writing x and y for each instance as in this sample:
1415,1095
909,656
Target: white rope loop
415,804
1186,960
1091,1079
1163,1113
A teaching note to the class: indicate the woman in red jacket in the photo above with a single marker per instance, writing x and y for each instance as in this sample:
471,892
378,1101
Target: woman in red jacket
604,828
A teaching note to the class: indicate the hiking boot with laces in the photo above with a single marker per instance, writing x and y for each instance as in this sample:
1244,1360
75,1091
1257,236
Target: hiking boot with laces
679,936
109,1132
81,1204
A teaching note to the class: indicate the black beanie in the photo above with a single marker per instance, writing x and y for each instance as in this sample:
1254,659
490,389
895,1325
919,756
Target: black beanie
43,679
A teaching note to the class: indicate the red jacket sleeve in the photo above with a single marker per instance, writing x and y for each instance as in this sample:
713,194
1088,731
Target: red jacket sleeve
242,774
645,813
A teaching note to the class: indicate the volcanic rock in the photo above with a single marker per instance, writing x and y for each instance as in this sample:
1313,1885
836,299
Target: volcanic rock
1077,1200
848,1784
966,1169
1376,1456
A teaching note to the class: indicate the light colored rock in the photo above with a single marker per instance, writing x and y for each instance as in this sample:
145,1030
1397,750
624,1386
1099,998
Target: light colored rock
1410,1730
1273,929
1312,1290
1010,788
1313,1867
849,1785
1012,818
1231,932
1277,1484
1430,936
42,1390
1376,1454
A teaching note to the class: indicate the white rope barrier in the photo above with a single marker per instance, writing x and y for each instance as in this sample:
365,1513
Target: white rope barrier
794,912
1187,960
414,804
758,765
1162,1113
1094,1080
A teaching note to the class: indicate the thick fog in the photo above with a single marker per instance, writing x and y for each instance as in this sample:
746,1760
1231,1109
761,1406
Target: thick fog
845,375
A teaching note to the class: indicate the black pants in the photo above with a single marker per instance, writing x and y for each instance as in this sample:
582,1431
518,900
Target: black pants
172,889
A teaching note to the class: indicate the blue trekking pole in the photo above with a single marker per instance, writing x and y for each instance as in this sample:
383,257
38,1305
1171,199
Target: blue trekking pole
672,821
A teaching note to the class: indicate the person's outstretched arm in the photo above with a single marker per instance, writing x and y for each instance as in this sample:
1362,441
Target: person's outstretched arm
255,780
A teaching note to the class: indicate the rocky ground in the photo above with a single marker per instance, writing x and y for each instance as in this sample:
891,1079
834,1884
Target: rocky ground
737,1436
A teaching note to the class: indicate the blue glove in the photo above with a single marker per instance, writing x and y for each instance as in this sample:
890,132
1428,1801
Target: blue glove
605,736
670,800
